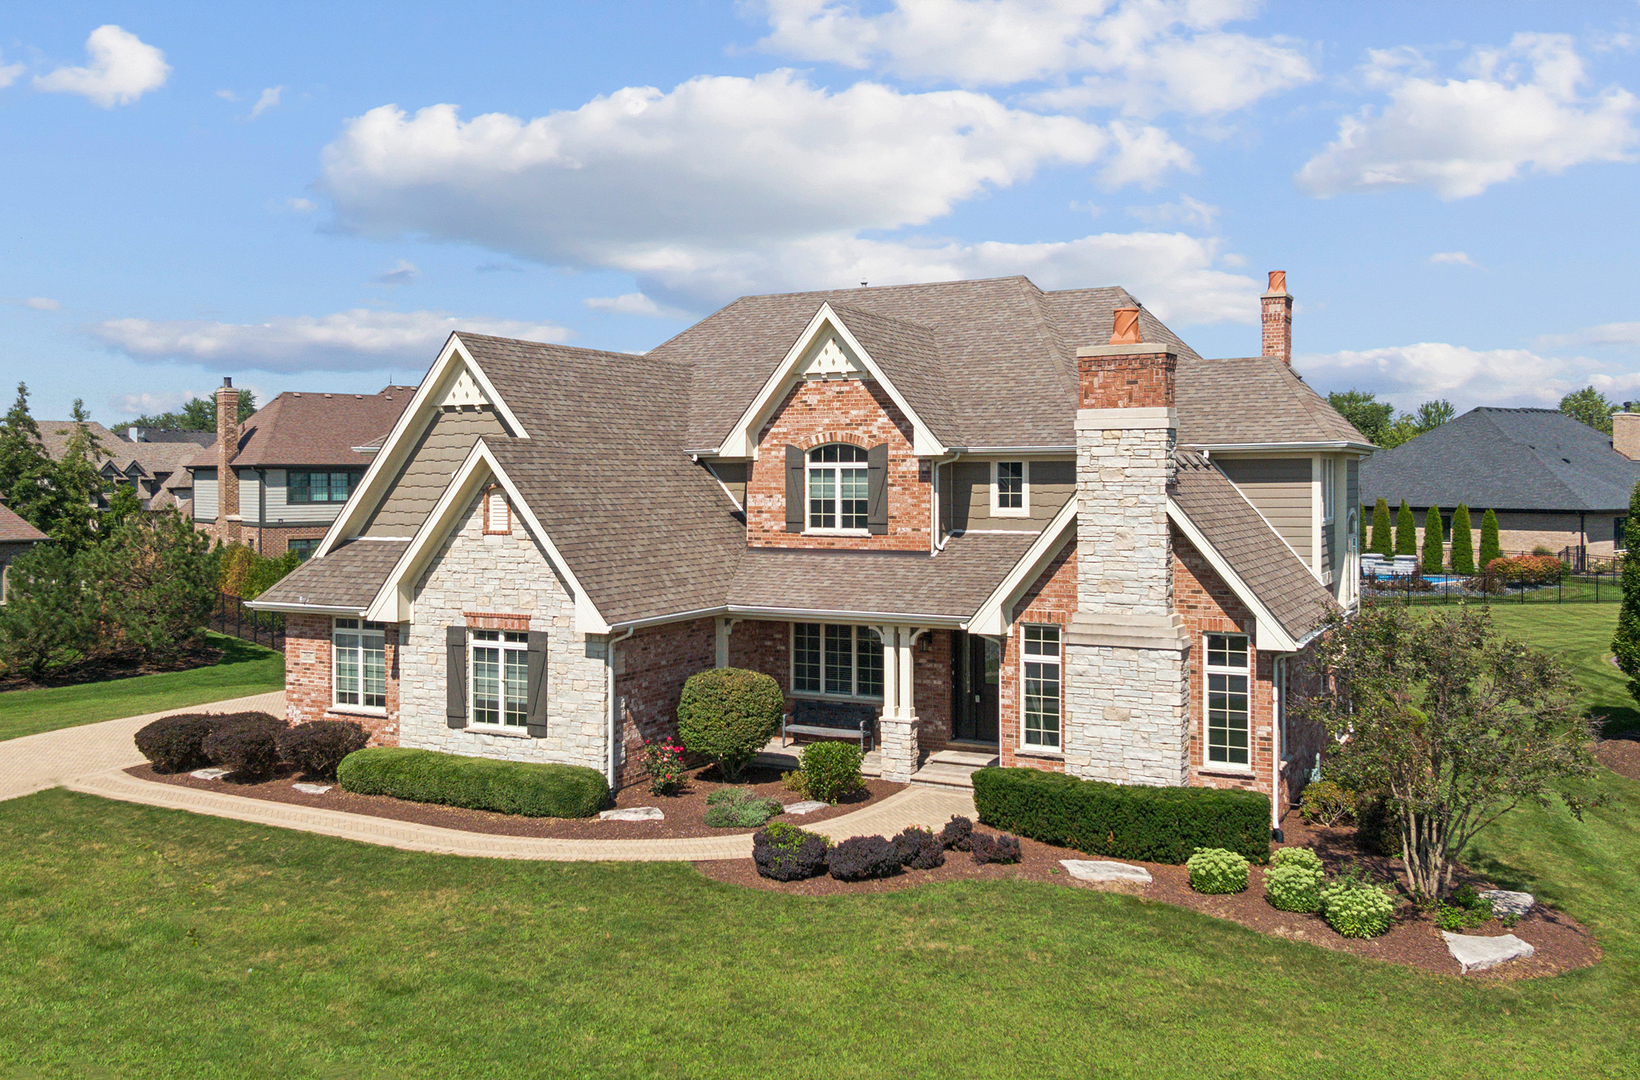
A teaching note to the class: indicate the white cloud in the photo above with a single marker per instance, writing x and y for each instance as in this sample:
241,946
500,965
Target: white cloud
227,95
356,340
1143,56
43,303
269,99
9,74
122,69
147,403
1184,210
402,272
1456,258
1522,108
1411,374
635,303
1605,334
300,206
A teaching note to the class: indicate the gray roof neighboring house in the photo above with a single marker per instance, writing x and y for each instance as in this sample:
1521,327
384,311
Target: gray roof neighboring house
1504,459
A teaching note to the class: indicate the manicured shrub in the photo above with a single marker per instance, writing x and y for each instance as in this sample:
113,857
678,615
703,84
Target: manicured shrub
1463,542
957,834
1215,870
1525,570
1293,882
1382,542
172,743
318,747
1326,804
1301,857
861,858
1406,531
795,783
733,808
1434,555
831,770
246,744
786,853
994,849
531,789
919,849
1356,908
1149,824
1490,549
726,715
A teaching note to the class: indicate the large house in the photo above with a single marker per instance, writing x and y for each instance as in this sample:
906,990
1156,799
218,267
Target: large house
17,537
150,460
1554,482
982,516
277,481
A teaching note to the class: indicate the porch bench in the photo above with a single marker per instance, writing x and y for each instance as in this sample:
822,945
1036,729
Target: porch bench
829,720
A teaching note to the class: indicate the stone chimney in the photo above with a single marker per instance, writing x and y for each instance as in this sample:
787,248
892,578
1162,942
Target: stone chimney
1278,318
227,448
1626,433
1127,687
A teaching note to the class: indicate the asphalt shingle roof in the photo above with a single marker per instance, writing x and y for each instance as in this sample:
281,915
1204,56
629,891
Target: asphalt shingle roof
298,428
1504,459
1253,399
348,577
14,530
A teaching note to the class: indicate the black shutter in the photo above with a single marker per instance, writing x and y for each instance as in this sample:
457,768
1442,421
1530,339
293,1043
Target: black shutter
455,676
535,720
794,489
877,490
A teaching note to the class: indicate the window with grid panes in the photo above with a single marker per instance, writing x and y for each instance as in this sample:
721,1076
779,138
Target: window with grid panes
359,663
839,488
1227,700
836,661
1039,658
500,677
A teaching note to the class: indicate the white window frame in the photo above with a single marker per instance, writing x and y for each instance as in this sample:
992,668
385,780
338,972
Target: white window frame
1057,662
1329,490
859,635
508,643
1210,669
836,468
364,631
1024,507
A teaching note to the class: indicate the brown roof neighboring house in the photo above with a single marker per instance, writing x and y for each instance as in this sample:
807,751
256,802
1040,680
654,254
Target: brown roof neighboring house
302,428
14,530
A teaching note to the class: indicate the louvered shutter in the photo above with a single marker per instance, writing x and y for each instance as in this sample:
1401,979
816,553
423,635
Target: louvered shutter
877,490
455,676
535,719
794,489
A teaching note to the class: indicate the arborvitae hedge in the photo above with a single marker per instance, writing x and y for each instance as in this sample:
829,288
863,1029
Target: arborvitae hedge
1463,543
1490,548
1153,824
1626,642
1406,531
1434,541
533,789
1382,543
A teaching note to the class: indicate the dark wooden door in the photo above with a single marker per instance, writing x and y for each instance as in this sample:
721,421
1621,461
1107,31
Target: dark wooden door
977,673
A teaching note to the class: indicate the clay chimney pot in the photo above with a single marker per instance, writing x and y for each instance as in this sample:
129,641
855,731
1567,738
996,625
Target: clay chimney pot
1278,282
1125,327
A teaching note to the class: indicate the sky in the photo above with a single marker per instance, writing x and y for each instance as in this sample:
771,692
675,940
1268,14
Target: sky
312,196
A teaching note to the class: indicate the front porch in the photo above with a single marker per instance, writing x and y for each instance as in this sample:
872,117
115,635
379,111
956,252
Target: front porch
948,768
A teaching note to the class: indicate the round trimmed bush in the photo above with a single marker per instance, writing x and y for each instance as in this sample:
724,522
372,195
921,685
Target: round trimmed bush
726,715
527,788
318,747
1357,909
861,858
1293,882
246,744
831,770
173,744
958,833
784,852
1001,848
1216,871
919,849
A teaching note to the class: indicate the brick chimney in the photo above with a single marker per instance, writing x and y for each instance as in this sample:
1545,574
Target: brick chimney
227,448
1127,687
1278,318
1626,433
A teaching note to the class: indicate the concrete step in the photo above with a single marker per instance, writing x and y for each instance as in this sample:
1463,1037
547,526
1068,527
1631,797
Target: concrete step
973,759
945,774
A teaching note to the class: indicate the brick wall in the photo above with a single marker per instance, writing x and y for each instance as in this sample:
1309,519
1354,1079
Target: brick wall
843,411
761,645
1051,600
931,695
275,539
308,685
1139,381
651,667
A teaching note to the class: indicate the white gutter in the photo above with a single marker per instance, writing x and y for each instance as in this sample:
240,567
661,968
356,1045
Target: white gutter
936,545
987,450
1336,444
788,614
299,609
614,706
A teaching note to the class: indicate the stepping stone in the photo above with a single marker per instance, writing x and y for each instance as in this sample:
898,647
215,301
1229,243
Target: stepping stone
209,774
632,813
1098,870
1480,953
807,806
311,789
1505,902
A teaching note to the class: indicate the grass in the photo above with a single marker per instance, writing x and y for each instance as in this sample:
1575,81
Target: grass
244,669
1582,636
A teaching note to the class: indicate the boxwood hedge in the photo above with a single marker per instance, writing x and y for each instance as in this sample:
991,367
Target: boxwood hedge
531,789
1151,824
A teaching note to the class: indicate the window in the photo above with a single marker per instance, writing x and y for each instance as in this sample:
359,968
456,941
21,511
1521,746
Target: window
1329,478
838,488
318,486
501,673
304,548
1008,493
836,661
359,663
1040,659
1227,660
1620,534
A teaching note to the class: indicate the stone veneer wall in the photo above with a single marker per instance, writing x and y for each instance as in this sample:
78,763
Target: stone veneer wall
650,669
1051,601
844,411
502,574
307,679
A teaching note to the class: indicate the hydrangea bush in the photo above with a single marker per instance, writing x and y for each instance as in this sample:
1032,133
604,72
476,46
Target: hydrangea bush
1216,870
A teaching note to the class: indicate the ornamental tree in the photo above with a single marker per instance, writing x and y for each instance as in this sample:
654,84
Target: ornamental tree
1463,542
1626,642
1453,724
1490,549
1406,531
1382,543
1434,542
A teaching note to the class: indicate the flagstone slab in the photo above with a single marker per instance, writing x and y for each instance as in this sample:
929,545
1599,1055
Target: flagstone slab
1480,953
633,813
1505,902
1100,870
312,789
807,806
209,774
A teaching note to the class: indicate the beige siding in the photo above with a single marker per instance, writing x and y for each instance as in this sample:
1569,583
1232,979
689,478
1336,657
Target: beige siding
204,494
732,475
424,476
1280,488
965,495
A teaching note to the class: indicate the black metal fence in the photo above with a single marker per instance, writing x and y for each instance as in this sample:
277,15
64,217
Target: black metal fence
232,617
1600,586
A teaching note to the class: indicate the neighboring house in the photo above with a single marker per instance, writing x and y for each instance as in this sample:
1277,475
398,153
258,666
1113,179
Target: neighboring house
17,537
149,459
983,516
277,482
1553,481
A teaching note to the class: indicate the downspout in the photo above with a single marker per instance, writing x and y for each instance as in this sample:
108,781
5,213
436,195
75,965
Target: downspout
938,545
614,707
261,506
1278,732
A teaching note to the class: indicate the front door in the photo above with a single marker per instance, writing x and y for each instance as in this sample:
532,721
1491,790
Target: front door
977,668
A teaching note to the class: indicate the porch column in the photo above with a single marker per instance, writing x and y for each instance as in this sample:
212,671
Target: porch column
900,749
725,627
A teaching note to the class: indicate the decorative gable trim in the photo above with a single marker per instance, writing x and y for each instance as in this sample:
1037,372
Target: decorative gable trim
839,355
454,374
993,616
1272,636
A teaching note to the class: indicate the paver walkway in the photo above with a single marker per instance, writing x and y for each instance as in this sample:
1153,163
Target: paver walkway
93,758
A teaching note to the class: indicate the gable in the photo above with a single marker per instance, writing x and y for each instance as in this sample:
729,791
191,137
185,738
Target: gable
438,453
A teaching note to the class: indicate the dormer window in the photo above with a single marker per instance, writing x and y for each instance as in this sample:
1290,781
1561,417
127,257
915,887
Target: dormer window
838,489
1009,495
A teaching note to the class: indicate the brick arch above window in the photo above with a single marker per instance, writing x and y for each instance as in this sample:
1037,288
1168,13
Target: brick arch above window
826,438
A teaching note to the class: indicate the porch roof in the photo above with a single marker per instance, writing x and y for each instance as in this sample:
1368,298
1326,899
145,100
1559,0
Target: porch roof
346,579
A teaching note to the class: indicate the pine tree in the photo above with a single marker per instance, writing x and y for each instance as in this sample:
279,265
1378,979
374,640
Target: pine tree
1463,544
1406,531
1381,542
1489,540
1626,642
77,485
1434,541
25,470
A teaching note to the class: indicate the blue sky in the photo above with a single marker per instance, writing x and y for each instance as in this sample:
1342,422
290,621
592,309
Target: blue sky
310,196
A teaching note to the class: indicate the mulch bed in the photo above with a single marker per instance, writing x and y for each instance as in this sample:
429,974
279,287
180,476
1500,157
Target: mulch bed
683,812
105,668
1620,754
1413,940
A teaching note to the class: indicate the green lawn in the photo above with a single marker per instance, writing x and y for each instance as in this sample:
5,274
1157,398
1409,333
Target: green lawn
243,670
